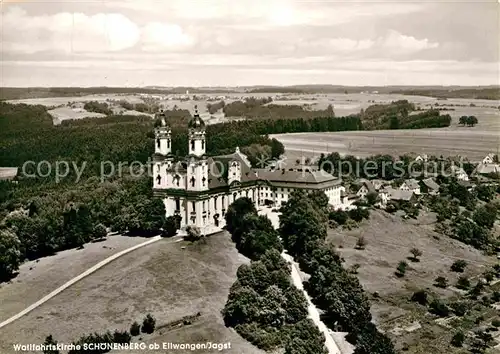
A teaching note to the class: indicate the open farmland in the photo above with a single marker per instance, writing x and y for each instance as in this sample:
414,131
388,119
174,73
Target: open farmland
168,280
473,142
389,239
470,142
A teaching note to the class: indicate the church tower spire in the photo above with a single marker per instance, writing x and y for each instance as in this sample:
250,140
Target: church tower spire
197,136
163,137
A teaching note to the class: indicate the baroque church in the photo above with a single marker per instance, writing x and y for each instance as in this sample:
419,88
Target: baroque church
201,188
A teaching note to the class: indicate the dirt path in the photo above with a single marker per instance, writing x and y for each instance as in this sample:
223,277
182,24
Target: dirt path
311,308
330,343
80,277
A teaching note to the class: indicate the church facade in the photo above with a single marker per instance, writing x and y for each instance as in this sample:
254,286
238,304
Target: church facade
201,188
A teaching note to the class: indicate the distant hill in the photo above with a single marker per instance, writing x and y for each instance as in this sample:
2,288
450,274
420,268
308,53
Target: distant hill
476,92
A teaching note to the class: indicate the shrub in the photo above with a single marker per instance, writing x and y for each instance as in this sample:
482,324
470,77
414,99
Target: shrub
420,297
49,340
121,337
148,324
438,308
495,297
415,252
401,269
459,308
193,233
360,243
339,216
496,322
99,231
458,266
354,268
463,283
458,339
441,282
170,226
477,289
359,214
135,329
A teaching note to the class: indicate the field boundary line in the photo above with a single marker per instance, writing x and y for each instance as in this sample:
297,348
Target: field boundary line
78,278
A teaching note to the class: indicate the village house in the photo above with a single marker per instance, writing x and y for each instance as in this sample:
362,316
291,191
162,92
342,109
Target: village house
410,185
366,187
484,169
378,183
200,189
422,158
429,186
8,173
490,158
459,173
391,194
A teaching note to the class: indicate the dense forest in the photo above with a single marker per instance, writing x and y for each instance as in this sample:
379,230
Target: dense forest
396,115
262,108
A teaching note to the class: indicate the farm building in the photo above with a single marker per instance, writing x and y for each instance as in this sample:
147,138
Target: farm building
410,185
429,186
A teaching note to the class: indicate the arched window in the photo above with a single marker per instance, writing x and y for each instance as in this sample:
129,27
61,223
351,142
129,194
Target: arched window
192,144
203,144
158,178
234,196
168,143
203,181
192,181
157,143
215,203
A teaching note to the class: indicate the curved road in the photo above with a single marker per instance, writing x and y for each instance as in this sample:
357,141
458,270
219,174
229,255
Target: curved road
81,276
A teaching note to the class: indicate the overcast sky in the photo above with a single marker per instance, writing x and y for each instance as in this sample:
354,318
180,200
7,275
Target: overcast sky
249,42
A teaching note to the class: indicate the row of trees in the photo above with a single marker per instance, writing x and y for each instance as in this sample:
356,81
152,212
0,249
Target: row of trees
263,305
98,107
303,228
470,121
118,337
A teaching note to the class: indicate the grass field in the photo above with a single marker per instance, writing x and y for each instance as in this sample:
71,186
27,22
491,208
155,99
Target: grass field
169,281
38,278
389,240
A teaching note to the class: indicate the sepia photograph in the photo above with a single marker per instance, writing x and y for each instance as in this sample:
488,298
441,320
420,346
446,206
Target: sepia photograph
250,176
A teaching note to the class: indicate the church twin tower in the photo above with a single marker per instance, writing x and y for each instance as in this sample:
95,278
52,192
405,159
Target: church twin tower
193,174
